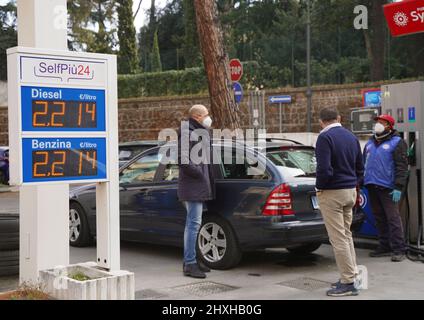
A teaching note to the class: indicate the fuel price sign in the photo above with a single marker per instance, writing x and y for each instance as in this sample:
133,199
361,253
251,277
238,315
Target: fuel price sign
52,159
58,116
62,109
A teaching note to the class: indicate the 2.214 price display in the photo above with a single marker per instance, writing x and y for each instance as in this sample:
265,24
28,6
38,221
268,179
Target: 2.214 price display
64,163
64,114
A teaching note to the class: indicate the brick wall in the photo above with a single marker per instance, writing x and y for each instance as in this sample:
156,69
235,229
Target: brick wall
143,118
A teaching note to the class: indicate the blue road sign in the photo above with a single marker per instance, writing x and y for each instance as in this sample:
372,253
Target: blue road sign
280,99
238,92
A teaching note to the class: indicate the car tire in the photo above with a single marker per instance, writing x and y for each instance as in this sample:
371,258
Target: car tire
9,231
9,262
304,248
79,230
222,256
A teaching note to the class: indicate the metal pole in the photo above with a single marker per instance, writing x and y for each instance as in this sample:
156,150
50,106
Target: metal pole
308,67
281,130
388,53
292,60
263,107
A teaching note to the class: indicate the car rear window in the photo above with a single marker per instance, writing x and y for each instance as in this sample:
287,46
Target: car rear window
294,162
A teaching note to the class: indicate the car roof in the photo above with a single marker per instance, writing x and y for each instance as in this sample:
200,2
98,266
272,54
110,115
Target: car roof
141,143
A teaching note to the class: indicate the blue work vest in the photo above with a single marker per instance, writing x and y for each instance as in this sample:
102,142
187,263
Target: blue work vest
379,163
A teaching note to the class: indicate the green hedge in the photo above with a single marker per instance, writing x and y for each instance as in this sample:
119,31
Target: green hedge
264,76
167,83
170,83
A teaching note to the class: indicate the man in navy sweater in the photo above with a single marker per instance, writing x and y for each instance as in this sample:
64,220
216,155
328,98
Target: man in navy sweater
339,171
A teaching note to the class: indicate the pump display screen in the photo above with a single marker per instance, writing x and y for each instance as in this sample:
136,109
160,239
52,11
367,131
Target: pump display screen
62,109
363,120
50,159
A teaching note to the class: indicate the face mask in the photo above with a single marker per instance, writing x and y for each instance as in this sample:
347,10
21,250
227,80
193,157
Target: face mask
379,128
207,122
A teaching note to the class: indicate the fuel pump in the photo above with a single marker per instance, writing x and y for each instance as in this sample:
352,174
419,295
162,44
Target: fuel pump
405,102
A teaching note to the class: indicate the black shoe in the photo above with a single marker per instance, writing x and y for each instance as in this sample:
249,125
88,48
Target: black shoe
398,257
335,285
380,252
342,290
193,270
203,267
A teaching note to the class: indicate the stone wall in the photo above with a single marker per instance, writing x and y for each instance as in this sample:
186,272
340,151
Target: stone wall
3,93
143,118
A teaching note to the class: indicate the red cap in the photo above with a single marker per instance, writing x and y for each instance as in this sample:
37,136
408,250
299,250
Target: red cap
387,118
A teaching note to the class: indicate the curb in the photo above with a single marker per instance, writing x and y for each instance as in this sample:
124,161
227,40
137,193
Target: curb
8,189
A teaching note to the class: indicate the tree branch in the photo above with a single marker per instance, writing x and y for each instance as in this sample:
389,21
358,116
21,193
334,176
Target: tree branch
138,9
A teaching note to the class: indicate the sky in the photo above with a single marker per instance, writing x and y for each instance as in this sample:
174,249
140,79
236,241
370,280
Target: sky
141,19
145,5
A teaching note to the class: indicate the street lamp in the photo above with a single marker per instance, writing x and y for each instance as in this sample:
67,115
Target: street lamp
308,67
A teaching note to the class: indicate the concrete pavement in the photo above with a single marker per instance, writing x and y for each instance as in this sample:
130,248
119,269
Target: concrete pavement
267,275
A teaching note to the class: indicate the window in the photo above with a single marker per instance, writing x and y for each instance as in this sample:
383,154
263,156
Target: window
295,162
143,170
171,172
128,152
243,170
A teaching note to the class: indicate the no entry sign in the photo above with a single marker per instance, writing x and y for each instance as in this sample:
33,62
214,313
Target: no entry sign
236,69
405,17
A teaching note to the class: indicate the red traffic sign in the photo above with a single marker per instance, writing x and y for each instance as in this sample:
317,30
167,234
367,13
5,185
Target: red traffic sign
236,69
405,17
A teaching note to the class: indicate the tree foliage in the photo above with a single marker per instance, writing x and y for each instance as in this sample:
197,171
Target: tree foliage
92,25
8,34
270,33
127,56
156,64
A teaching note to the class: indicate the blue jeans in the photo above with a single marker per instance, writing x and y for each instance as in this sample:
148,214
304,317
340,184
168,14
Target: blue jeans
192,226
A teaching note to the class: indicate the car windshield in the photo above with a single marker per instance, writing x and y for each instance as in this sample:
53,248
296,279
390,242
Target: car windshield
295,162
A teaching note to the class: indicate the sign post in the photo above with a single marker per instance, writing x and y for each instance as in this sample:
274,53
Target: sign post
62,129
280,100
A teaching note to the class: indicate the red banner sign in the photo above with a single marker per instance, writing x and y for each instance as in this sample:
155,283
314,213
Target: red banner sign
405,17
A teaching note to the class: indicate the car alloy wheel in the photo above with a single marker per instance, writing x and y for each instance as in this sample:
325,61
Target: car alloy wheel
74,225
212,242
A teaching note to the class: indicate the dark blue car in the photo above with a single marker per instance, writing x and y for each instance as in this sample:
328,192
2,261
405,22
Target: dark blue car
4,165
253,209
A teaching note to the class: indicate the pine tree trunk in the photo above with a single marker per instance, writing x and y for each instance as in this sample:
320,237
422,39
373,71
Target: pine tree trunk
216,64
375,40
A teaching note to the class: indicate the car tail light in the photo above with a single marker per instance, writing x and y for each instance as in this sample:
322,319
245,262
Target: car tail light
279,202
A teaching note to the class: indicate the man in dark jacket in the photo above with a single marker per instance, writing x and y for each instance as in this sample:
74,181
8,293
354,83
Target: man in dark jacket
386,172
339,171
195,183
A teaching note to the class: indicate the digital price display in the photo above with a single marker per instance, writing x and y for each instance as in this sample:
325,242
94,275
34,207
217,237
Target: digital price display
57,159
62,109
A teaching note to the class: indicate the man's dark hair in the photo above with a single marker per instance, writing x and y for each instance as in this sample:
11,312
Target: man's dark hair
328,114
